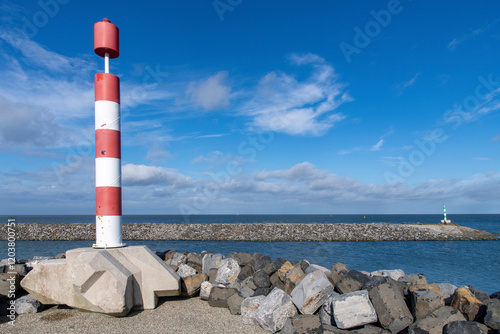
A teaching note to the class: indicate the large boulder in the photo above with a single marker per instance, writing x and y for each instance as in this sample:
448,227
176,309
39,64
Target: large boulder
435,322
246,271
325,311
205,289
447,290
395,274
234,303
191,285
424,302
287,266
259,261
248,308
211,261
303,323
274,310
464,301
463,327
261,279
293,278
244,259
228,271
9,284
390,305
492,318
27,304
185,270
195,261
312,292
177,259
274,266
219,296
353,309
352,281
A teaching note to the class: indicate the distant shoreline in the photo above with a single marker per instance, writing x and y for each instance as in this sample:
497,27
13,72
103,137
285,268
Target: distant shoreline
256,232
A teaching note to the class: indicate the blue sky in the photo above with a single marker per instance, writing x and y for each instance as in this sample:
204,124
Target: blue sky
237,106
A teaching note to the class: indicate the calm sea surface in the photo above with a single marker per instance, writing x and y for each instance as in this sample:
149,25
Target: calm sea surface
458,262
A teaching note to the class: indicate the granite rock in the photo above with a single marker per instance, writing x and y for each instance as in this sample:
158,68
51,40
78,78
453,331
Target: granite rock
218,296
463,327
492,317
234,304
205,289
244,259
395,274
274,310
245,272
191,285
259,261
228,271
325,311
261,279
303,323
293,278
353,309
185,270
249,307
351,281
390,306
464,301
287,266
424,302
447,290
312,292
27,304
211,261
435,322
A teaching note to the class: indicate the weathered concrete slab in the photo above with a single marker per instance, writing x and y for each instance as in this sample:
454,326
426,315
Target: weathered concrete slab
110,281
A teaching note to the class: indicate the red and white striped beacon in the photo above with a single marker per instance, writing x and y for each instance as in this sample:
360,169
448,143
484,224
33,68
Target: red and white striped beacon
107,141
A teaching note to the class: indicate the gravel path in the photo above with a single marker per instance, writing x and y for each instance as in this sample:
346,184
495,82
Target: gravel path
179,316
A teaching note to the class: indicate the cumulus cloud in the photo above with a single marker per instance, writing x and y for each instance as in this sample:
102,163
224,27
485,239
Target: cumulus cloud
282,103
143,175
211,93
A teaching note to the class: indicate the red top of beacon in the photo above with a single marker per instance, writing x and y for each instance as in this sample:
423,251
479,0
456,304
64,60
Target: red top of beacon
106,39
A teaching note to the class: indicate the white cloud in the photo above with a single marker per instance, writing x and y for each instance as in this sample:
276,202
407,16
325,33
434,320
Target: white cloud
401,87
211,93
143,175
377,146
459,40
282,103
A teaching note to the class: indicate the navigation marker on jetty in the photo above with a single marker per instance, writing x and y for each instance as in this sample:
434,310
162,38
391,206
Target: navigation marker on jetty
107,278
107,140
445,221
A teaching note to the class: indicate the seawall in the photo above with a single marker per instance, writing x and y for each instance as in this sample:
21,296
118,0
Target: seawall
255,232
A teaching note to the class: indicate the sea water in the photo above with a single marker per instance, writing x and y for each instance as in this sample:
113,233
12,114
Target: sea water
458,262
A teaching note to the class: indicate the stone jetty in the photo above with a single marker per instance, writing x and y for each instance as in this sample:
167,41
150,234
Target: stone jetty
279,295
256,232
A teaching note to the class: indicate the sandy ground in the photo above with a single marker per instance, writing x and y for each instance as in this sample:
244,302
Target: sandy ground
190,316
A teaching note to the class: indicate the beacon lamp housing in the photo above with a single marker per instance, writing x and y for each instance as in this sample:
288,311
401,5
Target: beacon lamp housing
106,39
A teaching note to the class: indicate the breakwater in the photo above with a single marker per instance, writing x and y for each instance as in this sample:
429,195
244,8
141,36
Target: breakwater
256,232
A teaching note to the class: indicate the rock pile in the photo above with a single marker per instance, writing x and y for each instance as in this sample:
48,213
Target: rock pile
256,232
299,297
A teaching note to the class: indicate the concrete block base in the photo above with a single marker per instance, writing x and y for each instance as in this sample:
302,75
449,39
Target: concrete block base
110,281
